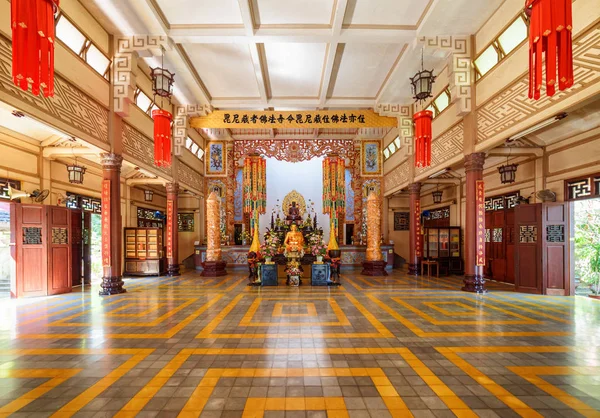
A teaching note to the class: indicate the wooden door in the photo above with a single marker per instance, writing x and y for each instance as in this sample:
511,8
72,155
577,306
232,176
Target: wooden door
487,271
87,247
59,251
498,246
76,246
31,250
528,257
509,239
555,249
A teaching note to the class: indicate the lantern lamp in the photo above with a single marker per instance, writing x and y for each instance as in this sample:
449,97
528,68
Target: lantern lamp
162,82
508,173
76,173
422,83
148,195
437,196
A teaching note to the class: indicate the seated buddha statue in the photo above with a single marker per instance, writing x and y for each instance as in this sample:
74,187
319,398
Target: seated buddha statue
293,216
294,240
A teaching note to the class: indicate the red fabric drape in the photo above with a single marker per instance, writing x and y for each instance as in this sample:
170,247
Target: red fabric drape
422,150
550,33
162,137
32,23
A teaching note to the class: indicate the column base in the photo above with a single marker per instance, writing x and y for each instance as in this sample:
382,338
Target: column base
173,270
413,269
214,268
374,268
474,284
112,286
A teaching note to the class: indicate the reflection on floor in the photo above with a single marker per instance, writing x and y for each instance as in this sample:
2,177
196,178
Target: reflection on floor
398,346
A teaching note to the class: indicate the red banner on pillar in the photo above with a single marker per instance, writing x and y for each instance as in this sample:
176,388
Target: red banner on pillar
106,223
417,217
169,229
480,198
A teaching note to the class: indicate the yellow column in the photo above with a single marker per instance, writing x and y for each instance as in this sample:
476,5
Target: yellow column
213,233
373,228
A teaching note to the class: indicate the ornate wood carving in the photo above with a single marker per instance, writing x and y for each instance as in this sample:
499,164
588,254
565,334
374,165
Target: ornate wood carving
397,176
445,147
140,147
69,104
188,176
295,150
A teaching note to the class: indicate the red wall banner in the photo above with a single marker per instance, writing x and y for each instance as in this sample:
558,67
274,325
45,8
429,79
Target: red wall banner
419,240
480,197
169,236
106,223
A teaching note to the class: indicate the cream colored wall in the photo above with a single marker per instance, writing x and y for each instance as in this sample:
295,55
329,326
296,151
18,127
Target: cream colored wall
400,238
189,204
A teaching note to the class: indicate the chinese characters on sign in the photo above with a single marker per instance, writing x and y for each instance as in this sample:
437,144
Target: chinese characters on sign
106,223
169,229
480,199
297,118
418,228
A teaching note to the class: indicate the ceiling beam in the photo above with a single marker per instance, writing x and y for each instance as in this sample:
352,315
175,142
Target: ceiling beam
298,103
517,152
53,152
329,70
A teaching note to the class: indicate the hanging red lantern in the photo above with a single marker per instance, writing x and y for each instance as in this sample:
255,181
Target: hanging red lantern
32,24
423,121
162,137
550,32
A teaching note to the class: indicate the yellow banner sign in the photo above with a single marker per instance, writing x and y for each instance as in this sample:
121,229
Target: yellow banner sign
250,119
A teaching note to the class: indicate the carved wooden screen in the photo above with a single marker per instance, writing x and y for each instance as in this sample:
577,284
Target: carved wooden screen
582,188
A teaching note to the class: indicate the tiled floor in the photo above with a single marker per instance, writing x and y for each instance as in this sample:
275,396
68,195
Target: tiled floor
215,348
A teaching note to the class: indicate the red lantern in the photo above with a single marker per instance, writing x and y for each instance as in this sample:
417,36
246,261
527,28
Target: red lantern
550,32
162,137
32,24
423,121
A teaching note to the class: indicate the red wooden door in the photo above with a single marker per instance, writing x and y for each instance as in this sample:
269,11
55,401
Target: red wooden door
87,248
31,250
555,249
59,251
76,246
497,245
509,238
488,273
528,257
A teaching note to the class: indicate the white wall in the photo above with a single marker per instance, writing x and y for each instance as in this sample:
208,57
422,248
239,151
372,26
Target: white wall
305,177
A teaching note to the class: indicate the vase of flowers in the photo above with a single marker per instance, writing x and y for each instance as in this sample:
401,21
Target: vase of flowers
317,247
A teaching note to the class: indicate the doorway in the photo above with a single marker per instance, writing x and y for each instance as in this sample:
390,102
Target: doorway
586,226
7,264
96,247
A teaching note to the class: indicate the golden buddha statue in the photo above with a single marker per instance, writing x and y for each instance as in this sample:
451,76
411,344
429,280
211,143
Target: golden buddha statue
294,240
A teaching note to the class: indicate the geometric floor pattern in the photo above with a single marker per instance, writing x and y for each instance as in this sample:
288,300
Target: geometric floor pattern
373,348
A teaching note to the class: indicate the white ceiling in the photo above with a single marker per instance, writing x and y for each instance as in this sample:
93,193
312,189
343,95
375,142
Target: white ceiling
299,54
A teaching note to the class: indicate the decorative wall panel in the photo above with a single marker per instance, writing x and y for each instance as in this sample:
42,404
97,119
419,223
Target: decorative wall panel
88,204
349,196
185,222
60,236
488,235
512,105
528,234
32,235
69,104
238,196
401,221
507,201
555,233
497,235
295,150
397,176
442,213
188,176
140,147
446,146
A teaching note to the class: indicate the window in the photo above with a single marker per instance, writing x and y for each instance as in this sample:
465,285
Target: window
81,45
194,148
440,102
143,101
391,148
508,40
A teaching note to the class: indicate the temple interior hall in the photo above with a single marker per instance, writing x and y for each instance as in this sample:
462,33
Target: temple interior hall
299,208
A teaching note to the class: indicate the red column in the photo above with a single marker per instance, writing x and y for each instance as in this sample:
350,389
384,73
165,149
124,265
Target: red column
474,281
112,280
171,233
415,239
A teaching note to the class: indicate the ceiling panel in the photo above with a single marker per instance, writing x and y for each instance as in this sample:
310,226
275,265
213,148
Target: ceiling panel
295,69
385,12
297,12
225,69
363,69
201,12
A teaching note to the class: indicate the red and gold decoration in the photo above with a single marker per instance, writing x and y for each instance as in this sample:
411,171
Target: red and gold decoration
550,33
33,38
418,240
106,223
255,185
334,185
374,264
213,232
162,137
480,190
169,234
423,121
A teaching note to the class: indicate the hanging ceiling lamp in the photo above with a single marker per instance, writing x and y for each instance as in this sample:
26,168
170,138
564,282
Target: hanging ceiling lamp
76,173
437,196
148,195
508,172
422,83
162,86
550,34
33,38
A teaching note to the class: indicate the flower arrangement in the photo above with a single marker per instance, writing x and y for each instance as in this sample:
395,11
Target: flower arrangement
268,251
317,247
272,243
246,236
293,269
